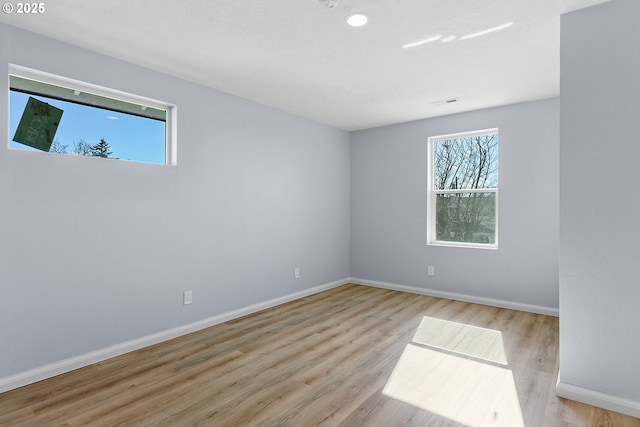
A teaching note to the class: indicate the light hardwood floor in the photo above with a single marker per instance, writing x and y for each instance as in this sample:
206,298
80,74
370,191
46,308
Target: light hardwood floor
351,356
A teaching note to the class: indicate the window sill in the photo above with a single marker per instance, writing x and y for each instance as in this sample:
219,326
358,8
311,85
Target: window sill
463,245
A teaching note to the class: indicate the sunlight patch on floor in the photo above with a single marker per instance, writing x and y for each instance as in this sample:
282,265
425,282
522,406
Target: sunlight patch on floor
460,338
452,370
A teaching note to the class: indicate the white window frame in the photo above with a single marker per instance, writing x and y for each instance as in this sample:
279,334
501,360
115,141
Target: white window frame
171,153
432,193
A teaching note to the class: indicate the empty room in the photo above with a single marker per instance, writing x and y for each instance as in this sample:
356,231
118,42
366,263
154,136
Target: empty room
319,212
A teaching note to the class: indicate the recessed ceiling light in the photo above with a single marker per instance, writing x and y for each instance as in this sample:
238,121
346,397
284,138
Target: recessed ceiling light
357,19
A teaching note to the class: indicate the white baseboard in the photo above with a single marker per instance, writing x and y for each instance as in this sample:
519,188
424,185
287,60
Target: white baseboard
73,363
459,297
599,399
564,390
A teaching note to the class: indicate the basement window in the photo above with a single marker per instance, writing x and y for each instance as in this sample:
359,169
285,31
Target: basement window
52,114
463,189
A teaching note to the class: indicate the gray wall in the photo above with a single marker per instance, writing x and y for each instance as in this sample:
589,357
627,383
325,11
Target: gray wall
389,211
599,158
96,252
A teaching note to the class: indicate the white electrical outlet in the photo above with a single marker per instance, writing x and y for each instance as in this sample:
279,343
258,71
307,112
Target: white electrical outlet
431,271
296,272
187,297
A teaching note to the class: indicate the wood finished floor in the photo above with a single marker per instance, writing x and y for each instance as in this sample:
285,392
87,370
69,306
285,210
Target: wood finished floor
344,357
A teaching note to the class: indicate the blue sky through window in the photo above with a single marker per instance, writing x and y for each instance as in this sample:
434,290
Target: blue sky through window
130,137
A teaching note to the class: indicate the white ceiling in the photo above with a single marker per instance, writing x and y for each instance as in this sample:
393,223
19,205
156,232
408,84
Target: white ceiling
300,56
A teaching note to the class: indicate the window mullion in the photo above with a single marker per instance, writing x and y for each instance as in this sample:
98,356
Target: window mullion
467,191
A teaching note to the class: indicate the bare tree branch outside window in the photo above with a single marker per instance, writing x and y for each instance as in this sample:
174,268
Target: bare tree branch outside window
462,168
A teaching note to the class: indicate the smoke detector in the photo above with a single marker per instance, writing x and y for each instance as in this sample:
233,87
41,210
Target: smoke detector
329,3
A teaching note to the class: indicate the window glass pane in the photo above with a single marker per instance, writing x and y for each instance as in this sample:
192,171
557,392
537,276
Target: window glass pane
466,217
90,125
469,162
